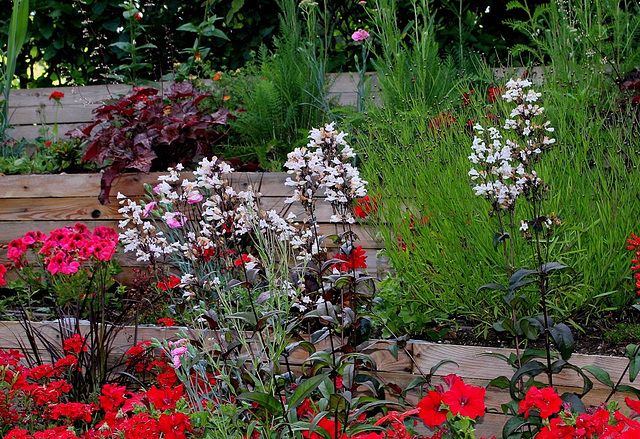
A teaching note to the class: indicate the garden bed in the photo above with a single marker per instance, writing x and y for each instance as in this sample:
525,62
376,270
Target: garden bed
476,365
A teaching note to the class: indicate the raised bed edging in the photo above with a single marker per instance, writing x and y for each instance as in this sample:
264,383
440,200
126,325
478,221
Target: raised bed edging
47,202
472,363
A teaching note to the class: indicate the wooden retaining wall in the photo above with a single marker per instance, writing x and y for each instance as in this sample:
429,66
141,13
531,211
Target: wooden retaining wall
471,363
47,202
31,111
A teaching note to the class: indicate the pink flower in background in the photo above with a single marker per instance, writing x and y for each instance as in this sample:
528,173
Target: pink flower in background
360,35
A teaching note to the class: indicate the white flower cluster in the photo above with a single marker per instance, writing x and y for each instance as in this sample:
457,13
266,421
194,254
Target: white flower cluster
188,219
503,160
326,162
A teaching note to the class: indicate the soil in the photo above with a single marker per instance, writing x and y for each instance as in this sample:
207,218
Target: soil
594,339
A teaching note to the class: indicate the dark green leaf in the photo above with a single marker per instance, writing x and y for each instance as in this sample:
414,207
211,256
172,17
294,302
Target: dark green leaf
491,286
393,348
551,266
498,238
500,382
304,390
267,402
563,338
600,374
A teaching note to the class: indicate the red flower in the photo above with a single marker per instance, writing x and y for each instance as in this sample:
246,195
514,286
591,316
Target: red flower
633,405
170,282
165,399
465,400
166,321
138,16
330,426
546,400
47,143
356,259
496,92
431,409
75,344
3,270
365,206
174,426
56,95
112,397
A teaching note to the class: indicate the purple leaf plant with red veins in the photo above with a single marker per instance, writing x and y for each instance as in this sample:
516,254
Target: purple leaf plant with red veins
146,131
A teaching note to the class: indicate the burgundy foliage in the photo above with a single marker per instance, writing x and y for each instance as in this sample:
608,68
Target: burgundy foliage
146,131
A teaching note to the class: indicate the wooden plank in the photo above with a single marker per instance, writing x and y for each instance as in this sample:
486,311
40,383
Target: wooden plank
131,184
30,108
33,131
81,208
477,364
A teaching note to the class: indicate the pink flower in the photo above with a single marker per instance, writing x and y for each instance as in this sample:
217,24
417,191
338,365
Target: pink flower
194,197
148,208
175,220
360,35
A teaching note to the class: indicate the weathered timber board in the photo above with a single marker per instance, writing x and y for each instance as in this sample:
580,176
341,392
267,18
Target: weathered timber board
131,184
31,110
478,362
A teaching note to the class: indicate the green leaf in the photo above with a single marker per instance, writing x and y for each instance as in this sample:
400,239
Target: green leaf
512,427
600,374
123,45
500,382
393,348
551,266
563,338
629,389
498,238
188,27
532,369
267,402
491,286
517,277
441,363
632,352
304,390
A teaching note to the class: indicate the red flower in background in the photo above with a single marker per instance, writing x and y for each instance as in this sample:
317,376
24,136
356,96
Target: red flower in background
634,245
166,321
56,95
365,206
495,93
170,282
75,344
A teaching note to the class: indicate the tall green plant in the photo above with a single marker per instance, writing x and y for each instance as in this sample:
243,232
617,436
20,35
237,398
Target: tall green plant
408,65
17,36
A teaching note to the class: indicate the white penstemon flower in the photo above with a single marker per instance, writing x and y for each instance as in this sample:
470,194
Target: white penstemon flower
502,159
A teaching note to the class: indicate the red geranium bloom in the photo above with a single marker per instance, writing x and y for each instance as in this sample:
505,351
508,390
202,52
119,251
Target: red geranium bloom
546,400
56,95
431,409
174,426
465,400
356,259
75,344
166,321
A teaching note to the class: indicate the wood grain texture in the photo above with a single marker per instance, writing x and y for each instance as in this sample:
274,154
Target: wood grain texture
31,110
